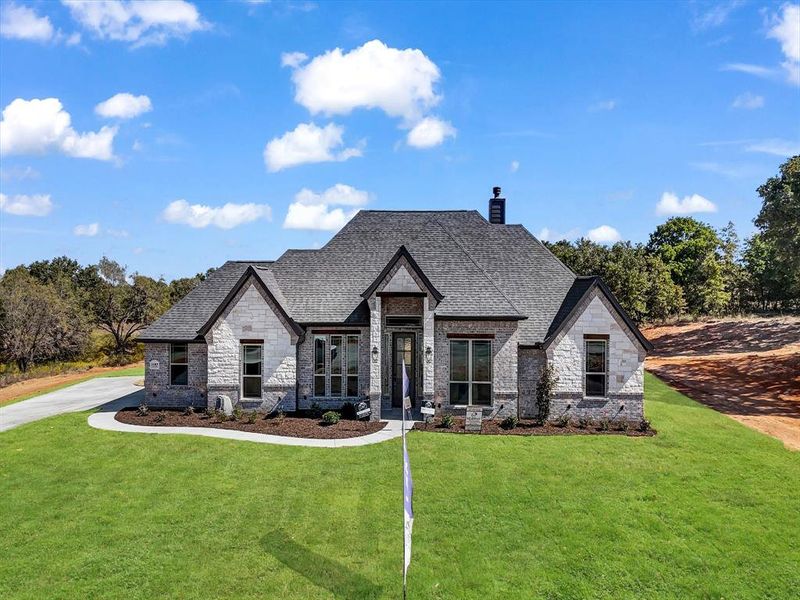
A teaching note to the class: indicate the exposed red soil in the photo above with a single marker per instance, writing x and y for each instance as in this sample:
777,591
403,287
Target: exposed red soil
526,427
300,427
748,369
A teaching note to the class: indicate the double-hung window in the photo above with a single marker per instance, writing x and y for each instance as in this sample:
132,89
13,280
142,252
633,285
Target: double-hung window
251,370
596,369
471,372
179,364
341,371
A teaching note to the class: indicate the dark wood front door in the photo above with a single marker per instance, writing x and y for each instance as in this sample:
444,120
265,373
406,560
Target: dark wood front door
404,348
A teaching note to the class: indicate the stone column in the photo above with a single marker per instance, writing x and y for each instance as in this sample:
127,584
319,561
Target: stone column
428,358
375,391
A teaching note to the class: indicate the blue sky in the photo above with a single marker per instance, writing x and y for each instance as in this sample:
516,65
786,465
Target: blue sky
242,131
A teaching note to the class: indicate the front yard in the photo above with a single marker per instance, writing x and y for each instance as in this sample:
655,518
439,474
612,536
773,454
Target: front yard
706,508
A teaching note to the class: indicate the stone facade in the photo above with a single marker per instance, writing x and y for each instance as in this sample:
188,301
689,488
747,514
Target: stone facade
159,392
504,363
251,315
625,365
531,361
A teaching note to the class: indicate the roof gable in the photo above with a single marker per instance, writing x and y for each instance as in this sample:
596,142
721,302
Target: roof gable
403,255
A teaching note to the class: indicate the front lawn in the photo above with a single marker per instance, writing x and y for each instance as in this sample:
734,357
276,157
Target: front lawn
705,509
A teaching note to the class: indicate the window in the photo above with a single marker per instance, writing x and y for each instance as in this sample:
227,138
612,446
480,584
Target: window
251,370
319,365
471,372
179,364
596,374
403,321
342,371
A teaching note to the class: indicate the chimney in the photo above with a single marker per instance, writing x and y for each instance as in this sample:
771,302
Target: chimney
497,208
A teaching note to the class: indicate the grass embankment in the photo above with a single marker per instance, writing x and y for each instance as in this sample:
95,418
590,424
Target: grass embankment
705,509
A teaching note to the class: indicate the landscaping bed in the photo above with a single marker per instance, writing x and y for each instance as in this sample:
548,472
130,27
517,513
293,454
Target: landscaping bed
530,427
300,426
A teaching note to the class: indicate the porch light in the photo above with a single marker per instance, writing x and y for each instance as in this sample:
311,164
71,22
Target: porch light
428,354
374,354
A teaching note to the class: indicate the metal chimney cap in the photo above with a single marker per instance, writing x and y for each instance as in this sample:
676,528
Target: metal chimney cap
496,191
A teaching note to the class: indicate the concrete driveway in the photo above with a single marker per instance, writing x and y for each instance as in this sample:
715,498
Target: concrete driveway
75,398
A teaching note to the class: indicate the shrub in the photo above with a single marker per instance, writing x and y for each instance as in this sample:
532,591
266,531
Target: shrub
143,410
252,416
544,390
562,421
510,422
644,425
349,411
188,411
604,424
219,416
237,413
584,422
331,417
160,417
281,414
316,410
448,421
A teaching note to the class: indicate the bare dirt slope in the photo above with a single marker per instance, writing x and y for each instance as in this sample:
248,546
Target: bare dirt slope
747,368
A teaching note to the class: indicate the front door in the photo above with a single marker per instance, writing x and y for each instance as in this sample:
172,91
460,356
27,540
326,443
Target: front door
404,349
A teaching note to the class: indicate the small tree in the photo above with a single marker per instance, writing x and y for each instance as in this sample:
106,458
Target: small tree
544,390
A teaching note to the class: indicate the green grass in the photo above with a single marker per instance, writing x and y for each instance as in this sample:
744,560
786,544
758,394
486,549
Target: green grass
130,371
706,509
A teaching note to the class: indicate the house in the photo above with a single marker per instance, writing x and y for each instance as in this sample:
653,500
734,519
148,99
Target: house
473,307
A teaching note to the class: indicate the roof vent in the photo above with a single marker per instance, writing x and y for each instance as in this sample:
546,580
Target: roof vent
497,208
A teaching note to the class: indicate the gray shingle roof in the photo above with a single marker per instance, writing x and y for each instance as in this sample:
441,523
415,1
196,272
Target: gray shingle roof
482,270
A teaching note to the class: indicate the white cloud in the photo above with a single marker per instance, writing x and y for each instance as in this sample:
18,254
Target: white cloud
41,126
22,23
340,194
313,211
670,204
549,235
140,23
430,132
514,166
757,70
786,29
226,216
399,82
26,206
19,173
604,234
124,106
118,233
88,230
293,59
307,143
714,15
776,147
603,105
748,101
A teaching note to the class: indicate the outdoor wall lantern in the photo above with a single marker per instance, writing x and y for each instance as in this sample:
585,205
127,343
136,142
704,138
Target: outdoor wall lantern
374,354
428,354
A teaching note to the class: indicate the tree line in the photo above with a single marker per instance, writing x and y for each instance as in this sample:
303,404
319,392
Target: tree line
688,267
49,308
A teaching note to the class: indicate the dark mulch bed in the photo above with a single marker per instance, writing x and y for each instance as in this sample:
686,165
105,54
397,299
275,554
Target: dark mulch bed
301,427
527,427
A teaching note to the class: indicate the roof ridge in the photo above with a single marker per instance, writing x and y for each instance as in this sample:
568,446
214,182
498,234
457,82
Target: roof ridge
480,268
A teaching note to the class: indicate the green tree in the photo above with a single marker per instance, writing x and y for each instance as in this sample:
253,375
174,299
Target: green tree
123,305
37,322
692,252
779,223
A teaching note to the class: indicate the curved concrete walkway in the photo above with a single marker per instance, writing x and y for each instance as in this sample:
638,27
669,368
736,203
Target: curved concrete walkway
105,420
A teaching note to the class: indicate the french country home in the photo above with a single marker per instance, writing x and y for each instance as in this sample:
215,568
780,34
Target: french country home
475,308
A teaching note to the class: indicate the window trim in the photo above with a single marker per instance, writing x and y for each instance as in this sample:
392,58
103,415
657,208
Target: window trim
595,339
186,364
469,381
325,368
260,376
